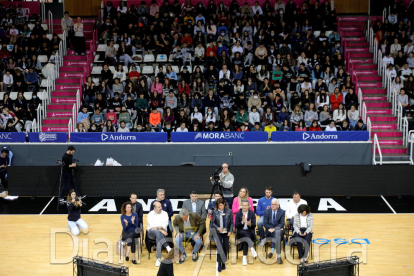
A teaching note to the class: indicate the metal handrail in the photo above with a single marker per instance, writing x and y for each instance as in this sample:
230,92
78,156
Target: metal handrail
405,131
364,112
369,126
34,126
74,116
50,22
374,49
399,116
70,126
43,12
376,145
411,145
360,99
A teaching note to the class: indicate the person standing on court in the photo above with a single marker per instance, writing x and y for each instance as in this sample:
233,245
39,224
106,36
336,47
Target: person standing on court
226,184
263,204
67,27
222,222
74,214
79,38
274,221
167,265
68,173
130,223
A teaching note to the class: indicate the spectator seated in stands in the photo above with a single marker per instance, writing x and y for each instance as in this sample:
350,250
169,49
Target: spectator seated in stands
360,126
155,119
331,126
302,228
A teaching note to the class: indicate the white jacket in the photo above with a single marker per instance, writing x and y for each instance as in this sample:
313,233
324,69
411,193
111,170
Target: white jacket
337,116
254,117
48,71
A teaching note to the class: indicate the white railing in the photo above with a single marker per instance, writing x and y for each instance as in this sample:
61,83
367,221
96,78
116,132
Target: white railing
384,14
78,101
50,22
332,5
43,12
65,48
34,126
360,99
74,116
374,46
364,112
405,131
399,116
411,141
376,146
369,126
70,127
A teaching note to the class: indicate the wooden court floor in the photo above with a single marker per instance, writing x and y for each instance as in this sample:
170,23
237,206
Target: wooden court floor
29,247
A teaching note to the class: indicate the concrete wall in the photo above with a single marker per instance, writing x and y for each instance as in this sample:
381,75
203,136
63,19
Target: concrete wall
203,154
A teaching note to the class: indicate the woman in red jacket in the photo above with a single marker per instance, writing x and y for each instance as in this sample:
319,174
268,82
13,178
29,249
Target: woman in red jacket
183,87
314,126
301,126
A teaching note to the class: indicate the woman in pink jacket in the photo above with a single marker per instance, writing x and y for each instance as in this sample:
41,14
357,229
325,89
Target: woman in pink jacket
243,194
157,86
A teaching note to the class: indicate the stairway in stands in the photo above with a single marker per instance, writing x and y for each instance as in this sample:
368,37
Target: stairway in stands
360,64
67,83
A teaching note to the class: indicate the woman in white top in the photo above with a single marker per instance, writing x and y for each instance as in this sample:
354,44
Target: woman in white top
80,128
79,37
339,115
254,117
302,58
303,228
196,115
353,116
14,34
210,116
331,126
122,8
182,128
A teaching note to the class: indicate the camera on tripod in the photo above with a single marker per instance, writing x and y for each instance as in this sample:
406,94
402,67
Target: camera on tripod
216,176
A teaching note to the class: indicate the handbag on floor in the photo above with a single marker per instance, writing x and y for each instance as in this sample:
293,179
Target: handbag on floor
121,248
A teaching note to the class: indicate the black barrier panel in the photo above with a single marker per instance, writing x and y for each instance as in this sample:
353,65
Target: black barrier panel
179,181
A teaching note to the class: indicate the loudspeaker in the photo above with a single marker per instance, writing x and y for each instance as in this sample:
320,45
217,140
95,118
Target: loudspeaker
337,267
88,267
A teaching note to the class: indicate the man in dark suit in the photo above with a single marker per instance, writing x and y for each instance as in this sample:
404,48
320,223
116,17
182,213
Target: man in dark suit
245,224
274,221
195,205
189,226
137,207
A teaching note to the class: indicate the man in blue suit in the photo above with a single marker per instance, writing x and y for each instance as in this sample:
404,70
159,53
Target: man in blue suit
274,222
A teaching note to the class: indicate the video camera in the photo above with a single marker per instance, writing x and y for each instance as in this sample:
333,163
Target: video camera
216,176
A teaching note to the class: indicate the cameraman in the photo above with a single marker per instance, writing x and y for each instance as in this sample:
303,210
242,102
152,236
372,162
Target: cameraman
226,182
67,171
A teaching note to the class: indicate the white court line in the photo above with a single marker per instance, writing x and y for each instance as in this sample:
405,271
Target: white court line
388,204
46,206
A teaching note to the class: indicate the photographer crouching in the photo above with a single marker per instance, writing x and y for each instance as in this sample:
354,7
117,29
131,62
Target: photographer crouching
224,180
68,173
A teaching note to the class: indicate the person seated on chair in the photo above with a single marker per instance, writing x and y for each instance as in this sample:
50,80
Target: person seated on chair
262,206
189,226
195,205
166,205
292,207
130,222
245,225
274,221
222,223
137,207
243,194
157,230
216,195
302,228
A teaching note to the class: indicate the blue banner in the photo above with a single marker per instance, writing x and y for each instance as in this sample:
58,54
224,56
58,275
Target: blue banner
317,136
12,137
48,137
130,137
219,136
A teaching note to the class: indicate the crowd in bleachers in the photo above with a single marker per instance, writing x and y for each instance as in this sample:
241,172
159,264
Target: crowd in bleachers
395,37
219,68
26,47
